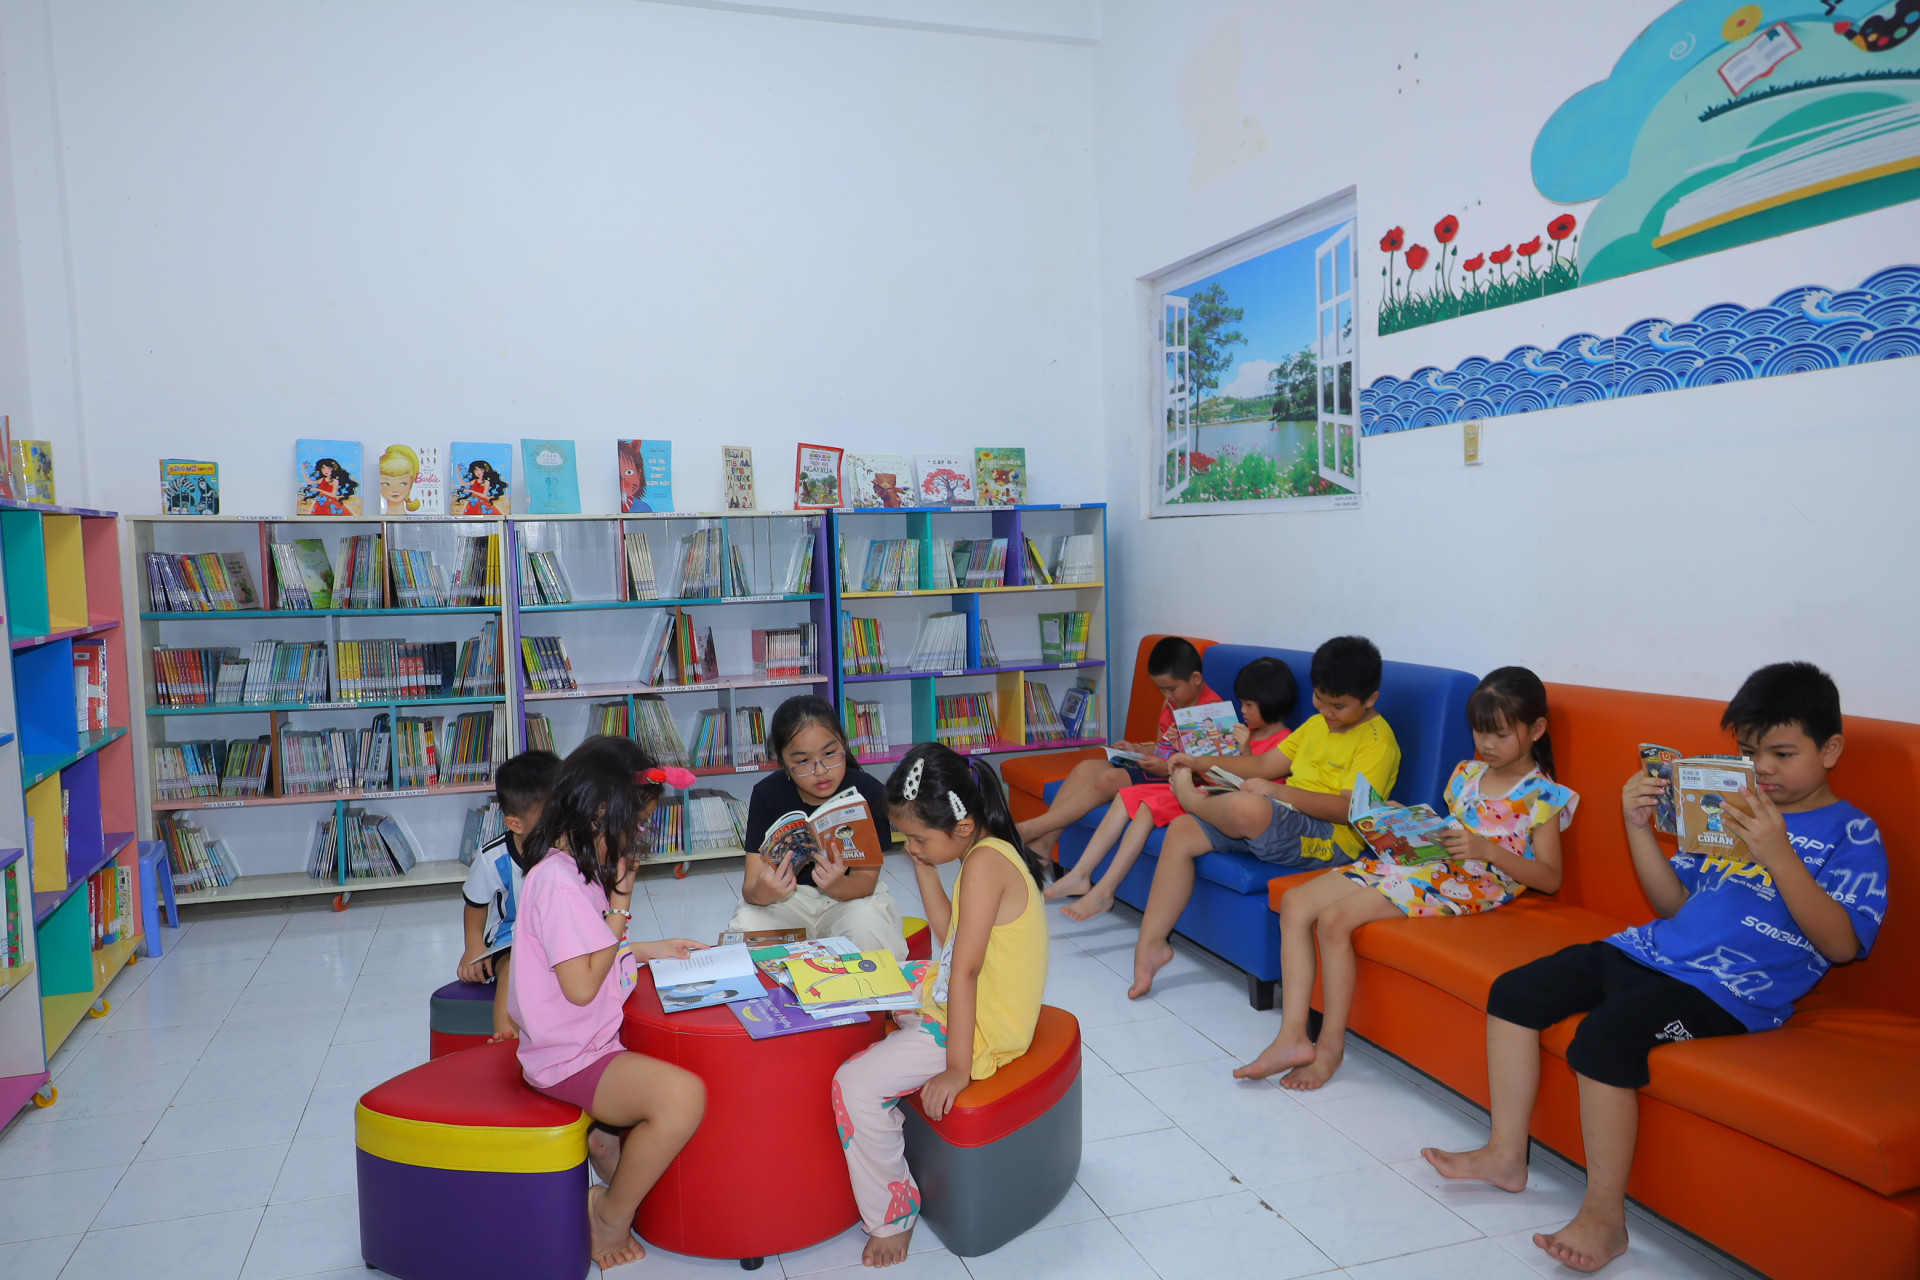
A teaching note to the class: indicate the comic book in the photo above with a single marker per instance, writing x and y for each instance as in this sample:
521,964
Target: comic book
1396,832
189,488
843,824
855,977
1206,729
1704,788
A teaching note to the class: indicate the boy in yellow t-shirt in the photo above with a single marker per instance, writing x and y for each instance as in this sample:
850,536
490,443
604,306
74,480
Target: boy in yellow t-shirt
1292,809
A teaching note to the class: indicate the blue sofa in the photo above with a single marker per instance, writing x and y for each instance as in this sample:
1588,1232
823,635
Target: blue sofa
1229,914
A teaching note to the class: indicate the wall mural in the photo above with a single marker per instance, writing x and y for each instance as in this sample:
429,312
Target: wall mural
1803,329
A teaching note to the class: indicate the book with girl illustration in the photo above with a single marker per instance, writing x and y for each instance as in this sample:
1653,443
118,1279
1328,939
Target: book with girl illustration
842,825
328,478
1399,833
480,479
1700,790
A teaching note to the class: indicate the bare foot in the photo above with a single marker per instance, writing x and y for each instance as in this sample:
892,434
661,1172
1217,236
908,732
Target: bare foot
1325,1062
613,1244
1147,961
1095,902
1043,844
1586,1243
603,1151
1481,1164
1285,1051
884,1251
1070,885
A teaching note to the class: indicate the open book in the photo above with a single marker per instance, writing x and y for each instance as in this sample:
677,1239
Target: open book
857,979
1700,791
1396,832
717,975
843,825
1124,758
1207,729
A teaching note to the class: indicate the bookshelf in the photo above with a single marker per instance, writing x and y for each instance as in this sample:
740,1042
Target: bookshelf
994,656
69,871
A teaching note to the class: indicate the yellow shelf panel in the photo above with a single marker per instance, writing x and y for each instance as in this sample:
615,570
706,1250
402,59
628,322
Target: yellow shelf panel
62,1014
12,976
49,844
66,573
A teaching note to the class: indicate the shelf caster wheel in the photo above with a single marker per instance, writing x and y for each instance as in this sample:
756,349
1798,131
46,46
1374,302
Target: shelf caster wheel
680,873
133,959
752,1264
46,1096
101,1008
340,901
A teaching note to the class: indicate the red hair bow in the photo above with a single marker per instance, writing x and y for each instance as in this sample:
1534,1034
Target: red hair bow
668,775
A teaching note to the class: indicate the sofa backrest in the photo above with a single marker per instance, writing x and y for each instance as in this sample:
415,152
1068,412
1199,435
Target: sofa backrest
1144,700
1426,707
1596,738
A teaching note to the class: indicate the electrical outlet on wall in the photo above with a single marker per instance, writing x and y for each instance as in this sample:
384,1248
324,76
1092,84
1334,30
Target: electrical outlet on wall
1470,433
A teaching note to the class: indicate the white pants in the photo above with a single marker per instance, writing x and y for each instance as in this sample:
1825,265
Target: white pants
872,923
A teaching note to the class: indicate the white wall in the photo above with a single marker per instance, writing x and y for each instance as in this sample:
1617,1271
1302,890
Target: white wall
1671,542
586,219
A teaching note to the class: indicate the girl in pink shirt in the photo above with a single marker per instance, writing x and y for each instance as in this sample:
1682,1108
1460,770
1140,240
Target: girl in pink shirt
573,969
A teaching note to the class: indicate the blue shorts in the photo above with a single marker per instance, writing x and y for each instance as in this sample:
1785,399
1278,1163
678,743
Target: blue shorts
1280,842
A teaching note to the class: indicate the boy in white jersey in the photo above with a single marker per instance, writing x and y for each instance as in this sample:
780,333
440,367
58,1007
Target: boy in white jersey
492,889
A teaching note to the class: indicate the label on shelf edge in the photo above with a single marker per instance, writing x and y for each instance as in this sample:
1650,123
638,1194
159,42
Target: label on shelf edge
957,671
224,804
402,795
903,593
746,768
1065,665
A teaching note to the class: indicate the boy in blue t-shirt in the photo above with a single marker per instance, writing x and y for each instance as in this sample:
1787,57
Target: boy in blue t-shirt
492,890
1735,945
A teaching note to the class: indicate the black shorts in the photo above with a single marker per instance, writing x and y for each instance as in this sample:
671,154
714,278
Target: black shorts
1631,1009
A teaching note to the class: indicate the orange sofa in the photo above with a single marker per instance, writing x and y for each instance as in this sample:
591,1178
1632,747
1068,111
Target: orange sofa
1796,1150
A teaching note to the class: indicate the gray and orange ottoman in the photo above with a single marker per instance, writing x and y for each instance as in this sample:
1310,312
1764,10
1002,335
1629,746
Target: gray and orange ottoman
448,1147
1008,1150
459,1016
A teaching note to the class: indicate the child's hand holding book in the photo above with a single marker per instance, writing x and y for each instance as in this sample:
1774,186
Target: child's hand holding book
1757,820
1640,798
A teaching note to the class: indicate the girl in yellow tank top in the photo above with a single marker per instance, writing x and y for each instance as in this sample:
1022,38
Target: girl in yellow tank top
979,1002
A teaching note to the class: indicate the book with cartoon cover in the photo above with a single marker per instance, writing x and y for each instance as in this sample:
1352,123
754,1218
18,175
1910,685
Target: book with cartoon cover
1206,729
1704,788
1398,833
856,976
779,1013
843,824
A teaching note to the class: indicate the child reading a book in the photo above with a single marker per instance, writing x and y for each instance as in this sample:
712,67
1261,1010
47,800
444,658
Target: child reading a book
1267,691
823,895
573,969
1174,667
1735,945
1510,813
1291,810
493,883
979,1002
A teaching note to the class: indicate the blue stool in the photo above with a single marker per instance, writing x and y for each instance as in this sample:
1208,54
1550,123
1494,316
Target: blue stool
156,884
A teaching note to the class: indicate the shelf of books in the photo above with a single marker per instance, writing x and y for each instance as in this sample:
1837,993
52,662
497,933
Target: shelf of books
981,627
69,863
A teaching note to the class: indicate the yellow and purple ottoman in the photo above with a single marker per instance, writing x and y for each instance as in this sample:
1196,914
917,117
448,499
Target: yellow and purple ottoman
440,1143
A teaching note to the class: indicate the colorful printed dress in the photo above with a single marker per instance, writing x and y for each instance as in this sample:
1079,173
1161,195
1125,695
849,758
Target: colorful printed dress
1468,886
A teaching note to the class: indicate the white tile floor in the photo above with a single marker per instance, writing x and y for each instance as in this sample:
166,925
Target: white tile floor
204,1128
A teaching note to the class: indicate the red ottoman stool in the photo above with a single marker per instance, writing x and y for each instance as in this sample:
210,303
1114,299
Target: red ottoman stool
919,938
1007,1152
459,1016
769,1114
466,1172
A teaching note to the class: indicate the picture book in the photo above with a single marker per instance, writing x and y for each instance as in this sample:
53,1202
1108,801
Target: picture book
859,975
1000,476
1657,761
1704,788
6,456
481,479
942,480
878,480
1207,729
328,477
189,488
239,580
1225,781
550,483
717,975
1396,832
779,1013
843,826
737,461
413,480
772,957
316,571
646,476
1124,759
32,463
816,477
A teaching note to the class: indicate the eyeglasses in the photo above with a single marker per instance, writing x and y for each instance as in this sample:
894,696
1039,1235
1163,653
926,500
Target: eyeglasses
825,764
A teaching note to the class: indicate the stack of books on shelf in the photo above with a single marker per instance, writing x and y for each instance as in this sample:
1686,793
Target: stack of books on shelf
483,826
1080,710
942,645
273,671
711,748
965,720
476,578
321,761
547,664
360,573
204,582
1037,571
418,580
371,846
479,672
540,732
942,566
416,751
784,652
479,741
673,653
1073,559
608,718
799,575
654,729
1043,722
641,584
543,579
110,905
893,564
701,565
195,861
1063,636
980,564
92,679
182,770
867,727
302,574
863,646
750,734
989,656
385,670
703,819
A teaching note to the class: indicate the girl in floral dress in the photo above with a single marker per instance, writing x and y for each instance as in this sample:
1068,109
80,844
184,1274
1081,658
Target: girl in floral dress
1509,814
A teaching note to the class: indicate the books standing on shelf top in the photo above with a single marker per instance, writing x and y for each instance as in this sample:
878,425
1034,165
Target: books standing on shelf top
878,480
189,488
32,466
200,583
1000,476
736,462
646,475
942,645
372,846
1206,729
328,479
480,479
1063,636
706,570
1397,833
717,975
1701,789
550,481
641,584
842,827
360,573
816,477
413,480
547,664
942,480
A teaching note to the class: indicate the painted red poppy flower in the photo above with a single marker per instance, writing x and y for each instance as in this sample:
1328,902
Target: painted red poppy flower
1446,229
1416,257
1500,257
1391,242
1475,263
1562,227
1530,248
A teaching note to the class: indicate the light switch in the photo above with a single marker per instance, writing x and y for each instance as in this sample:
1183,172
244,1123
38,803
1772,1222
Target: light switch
1471,441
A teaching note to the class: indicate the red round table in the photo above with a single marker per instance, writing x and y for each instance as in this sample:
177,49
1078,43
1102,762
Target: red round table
769,1115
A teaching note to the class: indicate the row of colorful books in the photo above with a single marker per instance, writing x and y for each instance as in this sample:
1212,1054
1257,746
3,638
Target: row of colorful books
863,646
420,582
784,652
210,767
110,905
710,567
1043,720
673,652
641,582
893,564
980,563
273,671
383,670
544,579
372,846
92,684
547,665
305,578
194,860
702,820
1064,636
654,728
200,582
866,726
481,828
318,761
965,720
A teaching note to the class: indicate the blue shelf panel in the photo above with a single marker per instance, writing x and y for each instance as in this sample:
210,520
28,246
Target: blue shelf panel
5,738
44,508
72,633
585,606
221,615
10,856
953,672
375,704
44,904
35,769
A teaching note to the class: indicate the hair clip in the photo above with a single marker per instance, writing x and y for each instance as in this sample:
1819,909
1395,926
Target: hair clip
910,789
667,775
957,805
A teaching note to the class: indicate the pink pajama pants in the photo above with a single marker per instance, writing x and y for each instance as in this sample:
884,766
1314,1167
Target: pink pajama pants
867,1093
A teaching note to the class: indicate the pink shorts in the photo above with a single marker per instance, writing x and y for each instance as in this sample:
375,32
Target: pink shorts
578,1088
1156,797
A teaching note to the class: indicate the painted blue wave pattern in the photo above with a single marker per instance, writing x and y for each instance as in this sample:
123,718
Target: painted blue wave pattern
1805,328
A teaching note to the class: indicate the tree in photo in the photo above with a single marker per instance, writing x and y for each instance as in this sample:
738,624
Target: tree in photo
1293,384
945,485
1209,337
